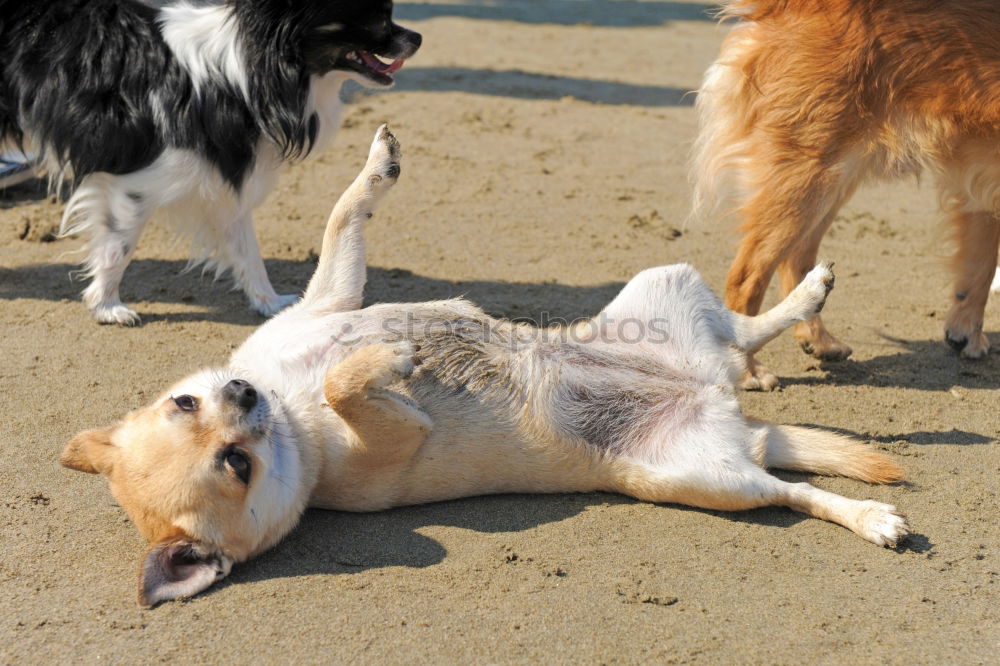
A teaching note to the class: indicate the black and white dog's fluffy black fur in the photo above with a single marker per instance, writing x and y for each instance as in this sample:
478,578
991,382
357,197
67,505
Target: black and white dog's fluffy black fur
184,106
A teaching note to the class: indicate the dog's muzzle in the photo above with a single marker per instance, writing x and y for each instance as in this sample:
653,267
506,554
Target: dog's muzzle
241,394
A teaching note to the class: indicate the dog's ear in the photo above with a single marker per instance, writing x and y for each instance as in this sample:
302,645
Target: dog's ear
90,451
179,567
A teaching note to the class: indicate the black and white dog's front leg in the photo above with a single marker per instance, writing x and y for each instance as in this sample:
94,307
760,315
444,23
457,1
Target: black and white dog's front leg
240,252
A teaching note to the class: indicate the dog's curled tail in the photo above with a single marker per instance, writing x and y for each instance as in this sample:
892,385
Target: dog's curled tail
822,452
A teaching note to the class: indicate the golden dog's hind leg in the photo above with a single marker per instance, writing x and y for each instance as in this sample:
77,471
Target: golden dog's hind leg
783,220
386,428
978,236
812,335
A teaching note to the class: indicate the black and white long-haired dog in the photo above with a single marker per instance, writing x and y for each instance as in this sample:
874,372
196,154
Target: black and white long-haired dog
188,107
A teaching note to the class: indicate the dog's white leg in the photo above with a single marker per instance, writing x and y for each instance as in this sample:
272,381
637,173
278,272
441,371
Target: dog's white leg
736,484
667,306
803,303
114,218
339,281
240,251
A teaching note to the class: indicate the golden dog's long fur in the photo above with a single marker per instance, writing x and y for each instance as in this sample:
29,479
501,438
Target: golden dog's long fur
810,98
332,406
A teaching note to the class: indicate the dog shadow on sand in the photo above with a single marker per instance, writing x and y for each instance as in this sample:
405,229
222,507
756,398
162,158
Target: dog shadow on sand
154,282
927,365
333,542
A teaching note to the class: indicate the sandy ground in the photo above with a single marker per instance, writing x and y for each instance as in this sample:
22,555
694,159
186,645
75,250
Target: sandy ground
545,148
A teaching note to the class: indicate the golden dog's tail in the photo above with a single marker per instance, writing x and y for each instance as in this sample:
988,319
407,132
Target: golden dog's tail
822,452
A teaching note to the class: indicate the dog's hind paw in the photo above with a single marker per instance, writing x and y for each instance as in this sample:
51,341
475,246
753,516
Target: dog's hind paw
817,285
115,313
882,524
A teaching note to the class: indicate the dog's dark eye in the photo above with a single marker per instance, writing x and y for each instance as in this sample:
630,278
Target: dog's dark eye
187,403
239,462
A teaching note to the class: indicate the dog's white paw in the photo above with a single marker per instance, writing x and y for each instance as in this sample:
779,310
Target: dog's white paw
270,305
394,362
816,286
115,313
996,281
882,524
382,168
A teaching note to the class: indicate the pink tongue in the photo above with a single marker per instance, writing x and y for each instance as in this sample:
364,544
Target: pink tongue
378,65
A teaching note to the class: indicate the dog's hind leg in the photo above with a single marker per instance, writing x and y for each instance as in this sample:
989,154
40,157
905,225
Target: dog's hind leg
978,236
802,304
386,428
784,222
735,483
339,281
114,218
812,335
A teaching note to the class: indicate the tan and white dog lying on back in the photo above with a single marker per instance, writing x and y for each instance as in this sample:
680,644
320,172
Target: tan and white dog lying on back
332,406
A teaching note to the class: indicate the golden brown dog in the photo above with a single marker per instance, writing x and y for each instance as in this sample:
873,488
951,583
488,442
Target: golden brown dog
332,406
810,98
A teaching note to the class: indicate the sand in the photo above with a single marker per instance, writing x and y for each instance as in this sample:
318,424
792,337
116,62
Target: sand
545,160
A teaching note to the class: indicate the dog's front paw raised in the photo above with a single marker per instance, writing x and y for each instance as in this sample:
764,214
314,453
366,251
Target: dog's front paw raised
391,362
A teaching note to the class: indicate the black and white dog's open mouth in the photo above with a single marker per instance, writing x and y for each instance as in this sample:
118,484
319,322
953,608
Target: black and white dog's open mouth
371,65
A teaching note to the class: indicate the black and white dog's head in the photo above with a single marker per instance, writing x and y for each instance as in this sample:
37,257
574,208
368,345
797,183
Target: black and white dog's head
287,42
325,35
354,37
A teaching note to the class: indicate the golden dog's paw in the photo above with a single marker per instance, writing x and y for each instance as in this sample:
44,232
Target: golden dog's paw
816,341
973,346
758,378
392,362
964,331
